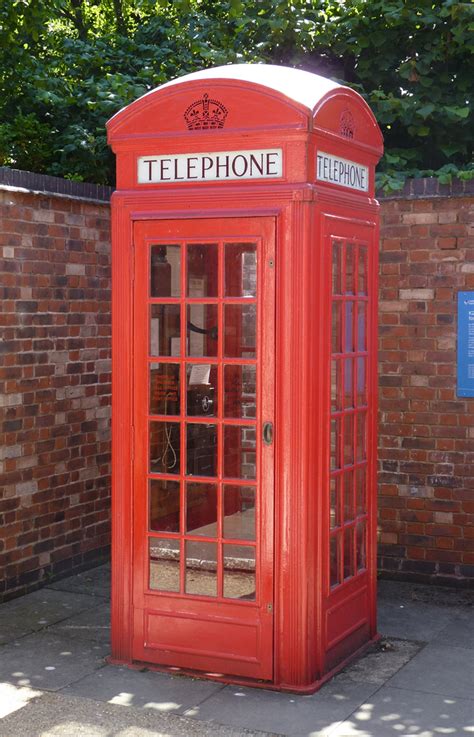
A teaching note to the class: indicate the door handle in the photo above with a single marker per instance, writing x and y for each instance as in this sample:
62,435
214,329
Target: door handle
267,433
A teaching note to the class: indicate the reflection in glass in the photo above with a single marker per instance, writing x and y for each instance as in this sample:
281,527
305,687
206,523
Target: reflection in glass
348,496
362,271
349,332
361,326
164,564
240,331
336,338
336,386
164,389
334,577
164,505
348,566
240,452
334,505
240,391
335,443
239,512
348,440
202,270
164,447
201,509
201,568
202,330
240,270
361,395
348,364
349,268
202,390
201,450
239,572
336,267
361,437
165,330
165,271
360,490
360,546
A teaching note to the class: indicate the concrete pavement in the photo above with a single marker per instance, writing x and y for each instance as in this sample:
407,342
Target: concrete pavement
54,681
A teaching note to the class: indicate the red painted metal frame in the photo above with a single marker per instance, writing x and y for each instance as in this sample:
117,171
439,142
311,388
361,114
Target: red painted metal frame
316,629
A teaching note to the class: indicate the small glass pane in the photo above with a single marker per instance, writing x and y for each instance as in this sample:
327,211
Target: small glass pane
239,512
362,271
334,576
201,568
362,326
349,286
360,546
240,391
165,330
335,443
348,551
202,331
336,267
348,440
348,382
240,452
349,328
334,504
164,505
164,389
361,442
239,572
336,337
202,270
201,509
201,450
164,564
165,445
165,271
348,496
361,475
240,270
201,396
361,394
240,331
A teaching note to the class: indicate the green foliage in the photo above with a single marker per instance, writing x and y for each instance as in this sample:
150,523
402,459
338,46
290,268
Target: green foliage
67,65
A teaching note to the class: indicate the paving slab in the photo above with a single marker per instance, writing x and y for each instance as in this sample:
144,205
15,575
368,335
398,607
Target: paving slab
45,660
459,633
394,712
92,624
145,689
413,620
55,715
439,669
95,582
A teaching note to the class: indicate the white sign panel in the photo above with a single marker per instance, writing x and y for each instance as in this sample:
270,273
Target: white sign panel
210,167
343,172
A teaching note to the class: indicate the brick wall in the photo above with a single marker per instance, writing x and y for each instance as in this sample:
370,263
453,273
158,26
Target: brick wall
426,447
54,386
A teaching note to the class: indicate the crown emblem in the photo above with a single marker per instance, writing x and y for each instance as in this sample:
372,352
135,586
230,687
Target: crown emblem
205,114
347,124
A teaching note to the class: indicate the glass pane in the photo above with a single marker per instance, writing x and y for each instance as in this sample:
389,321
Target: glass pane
164,447
334,504
336,338
240,391
348,565
349,286
348,496
240,270
335,443
165,330
348,440
361,395
361,437
164,564
362,272
240,331
337,397
348,384
361,490
202,390
165,271
334,577
239,512
164,389
336,267
361,326
201,568
349,328
202,270
202,330
201,450
164,505
239,452
201,509
239,572
360,546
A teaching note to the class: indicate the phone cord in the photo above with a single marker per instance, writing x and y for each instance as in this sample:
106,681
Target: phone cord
169,445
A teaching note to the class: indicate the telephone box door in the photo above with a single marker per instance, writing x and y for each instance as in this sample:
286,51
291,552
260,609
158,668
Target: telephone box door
203,370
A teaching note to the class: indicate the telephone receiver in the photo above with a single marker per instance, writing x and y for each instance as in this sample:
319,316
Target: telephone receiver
212,332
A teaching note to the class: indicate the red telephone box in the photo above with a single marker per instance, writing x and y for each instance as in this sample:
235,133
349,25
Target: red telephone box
245,236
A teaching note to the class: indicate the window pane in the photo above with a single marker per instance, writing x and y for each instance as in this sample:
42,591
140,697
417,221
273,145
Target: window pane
201,451
240,391
361,440
360,546
348,382
201,509
334,503
164,505
336,267
361,394
164,389
202,270
336,341
240,270
201,568
348,552
164,557
334,576
362,326
165,330
239,572
335,443
348,496
164,447
348,440
349,286
349,331
202,330
240,331
165,271
202,390
240,452
361,477
362,271
239,512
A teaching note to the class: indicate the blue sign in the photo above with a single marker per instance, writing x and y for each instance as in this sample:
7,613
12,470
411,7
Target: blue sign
466,344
